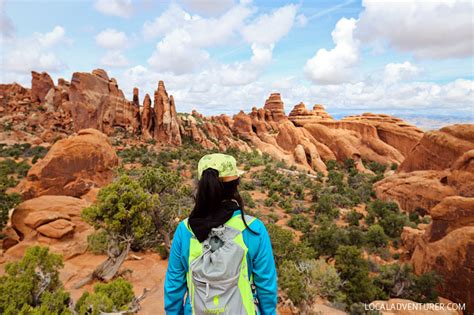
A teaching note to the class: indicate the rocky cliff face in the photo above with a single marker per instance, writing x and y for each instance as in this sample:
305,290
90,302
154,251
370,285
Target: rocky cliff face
436,178
306,138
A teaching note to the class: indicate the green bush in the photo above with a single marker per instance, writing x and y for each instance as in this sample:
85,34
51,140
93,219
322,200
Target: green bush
303,281
299,222
354,271
285,247
353,218
399,281
97,242
7,201
376,236
107,297
292,282
32,285
332,165
325,207
326,238
248,200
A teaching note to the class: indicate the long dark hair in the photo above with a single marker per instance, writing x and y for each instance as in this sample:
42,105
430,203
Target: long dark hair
211,192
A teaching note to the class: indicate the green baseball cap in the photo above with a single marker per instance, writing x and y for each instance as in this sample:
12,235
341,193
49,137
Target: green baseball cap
225,164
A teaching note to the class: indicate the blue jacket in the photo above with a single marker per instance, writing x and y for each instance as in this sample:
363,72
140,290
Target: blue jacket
260,263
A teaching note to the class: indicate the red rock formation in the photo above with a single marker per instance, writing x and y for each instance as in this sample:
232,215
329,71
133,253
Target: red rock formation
41,83
136,112
447,247
72,166
300,115
147,119
97,102
275,106
166,127
353,141
416,191
392,130
438,149
445,191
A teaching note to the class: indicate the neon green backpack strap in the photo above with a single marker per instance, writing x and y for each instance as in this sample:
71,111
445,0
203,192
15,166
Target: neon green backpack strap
237,223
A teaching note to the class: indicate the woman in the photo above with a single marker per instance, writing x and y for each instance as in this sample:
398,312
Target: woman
201,251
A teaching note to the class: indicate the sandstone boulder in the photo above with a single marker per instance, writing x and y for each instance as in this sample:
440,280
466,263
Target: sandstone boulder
33,213
72,166
41,84
56,229
38,218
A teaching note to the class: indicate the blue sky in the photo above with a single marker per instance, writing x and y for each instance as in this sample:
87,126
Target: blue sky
221,56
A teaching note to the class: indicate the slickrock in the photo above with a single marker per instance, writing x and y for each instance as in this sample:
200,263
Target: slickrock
437,150
394,131
72,166
416,191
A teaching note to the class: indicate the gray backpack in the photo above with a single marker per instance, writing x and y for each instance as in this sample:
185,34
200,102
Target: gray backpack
218,280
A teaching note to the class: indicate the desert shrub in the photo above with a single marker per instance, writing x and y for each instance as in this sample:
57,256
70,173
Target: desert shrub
287,204
325,207
332,165
32,285
355,236
11,167
326,238
375,167
7,201
247,185
388,216
285,247
323,278
97,242
299,222
353,218
376,236
115,296
291,281
303,281
248,200
394,166
354,271
399,281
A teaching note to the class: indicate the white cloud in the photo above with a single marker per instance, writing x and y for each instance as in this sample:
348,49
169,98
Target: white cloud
182,49
335,66
121,8
7,28
177,53
208,7
395,72
111,39
242,73
56,36
268,29
433,29
173,17
114,58
21,55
